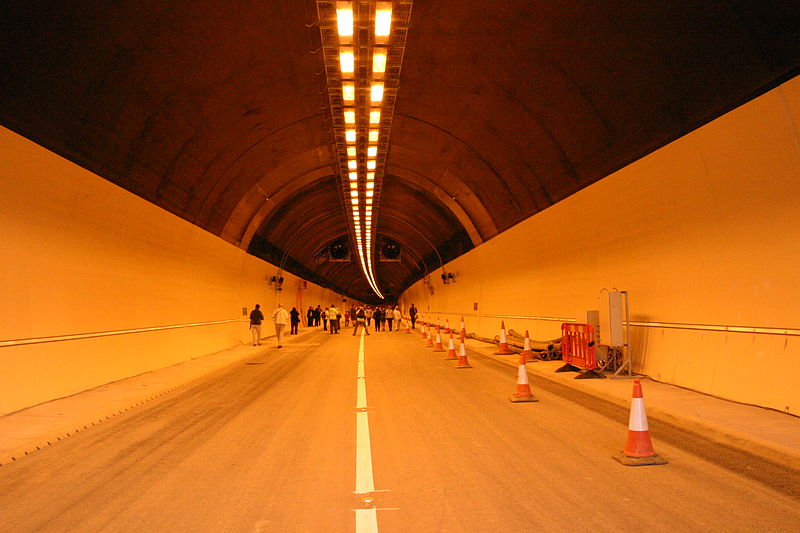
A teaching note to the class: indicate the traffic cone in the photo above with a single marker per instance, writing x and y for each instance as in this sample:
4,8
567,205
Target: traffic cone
526,351
451,350
439,347
408,328
446,326
422,331
429,340
504,349
523,393
463,362
639,448
463,328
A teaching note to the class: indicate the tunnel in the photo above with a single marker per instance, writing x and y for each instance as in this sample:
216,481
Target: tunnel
502,168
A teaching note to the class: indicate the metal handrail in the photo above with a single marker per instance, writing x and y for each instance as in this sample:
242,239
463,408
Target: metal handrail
793,332
94,335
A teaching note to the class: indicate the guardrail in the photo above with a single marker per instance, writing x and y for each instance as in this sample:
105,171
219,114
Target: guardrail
97,334
756,330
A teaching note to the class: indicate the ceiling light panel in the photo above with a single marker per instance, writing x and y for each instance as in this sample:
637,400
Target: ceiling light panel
367,38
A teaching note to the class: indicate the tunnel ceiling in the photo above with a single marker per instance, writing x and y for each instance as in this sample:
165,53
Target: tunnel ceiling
215,110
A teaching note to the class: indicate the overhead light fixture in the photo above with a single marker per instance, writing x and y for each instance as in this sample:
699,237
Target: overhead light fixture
348,91
344,19
347,60
383,19
351,107
379,61
376,93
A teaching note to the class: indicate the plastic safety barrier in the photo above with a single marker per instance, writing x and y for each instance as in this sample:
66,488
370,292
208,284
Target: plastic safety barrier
577,345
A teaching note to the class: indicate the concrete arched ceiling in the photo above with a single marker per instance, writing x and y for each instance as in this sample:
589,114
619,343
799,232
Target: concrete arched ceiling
216,110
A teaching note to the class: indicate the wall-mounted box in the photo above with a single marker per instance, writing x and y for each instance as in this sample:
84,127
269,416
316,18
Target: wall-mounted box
611,308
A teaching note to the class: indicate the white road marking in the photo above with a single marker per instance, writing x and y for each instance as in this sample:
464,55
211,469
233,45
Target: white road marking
366,519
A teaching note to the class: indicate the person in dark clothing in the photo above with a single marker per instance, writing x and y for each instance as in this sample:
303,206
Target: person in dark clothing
294,320
317,315
361,320
256,317
310,317
412,312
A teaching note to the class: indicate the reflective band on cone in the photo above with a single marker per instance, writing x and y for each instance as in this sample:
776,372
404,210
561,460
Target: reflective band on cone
523,393
526,351
439,347
463,362
451,350
504,349
639,448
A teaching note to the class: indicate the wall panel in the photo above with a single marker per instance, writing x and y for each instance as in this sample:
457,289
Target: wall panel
704,231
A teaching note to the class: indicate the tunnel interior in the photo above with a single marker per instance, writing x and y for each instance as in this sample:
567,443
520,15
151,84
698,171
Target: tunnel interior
217,112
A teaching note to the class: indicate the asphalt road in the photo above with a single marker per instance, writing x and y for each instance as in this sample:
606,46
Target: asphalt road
269,444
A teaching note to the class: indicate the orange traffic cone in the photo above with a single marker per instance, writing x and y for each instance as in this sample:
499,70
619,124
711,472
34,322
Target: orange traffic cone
408,328
451,349
429,340
463,362
438,347
639,448
463,328
523,393
446,326
526,351
504,349
422,334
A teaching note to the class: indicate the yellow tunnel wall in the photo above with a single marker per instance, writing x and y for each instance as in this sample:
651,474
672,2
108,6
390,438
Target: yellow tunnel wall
704,231
81,255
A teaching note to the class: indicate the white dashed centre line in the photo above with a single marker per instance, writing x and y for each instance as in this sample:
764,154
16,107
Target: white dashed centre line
366,518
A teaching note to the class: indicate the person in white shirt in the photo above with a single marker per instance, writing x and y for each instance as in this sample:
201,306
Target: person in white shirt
333,319
281,318
397,317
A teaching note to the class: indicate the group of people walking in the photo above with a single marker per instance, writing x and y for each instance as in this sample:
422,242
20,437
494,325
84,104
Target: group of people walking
331,318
